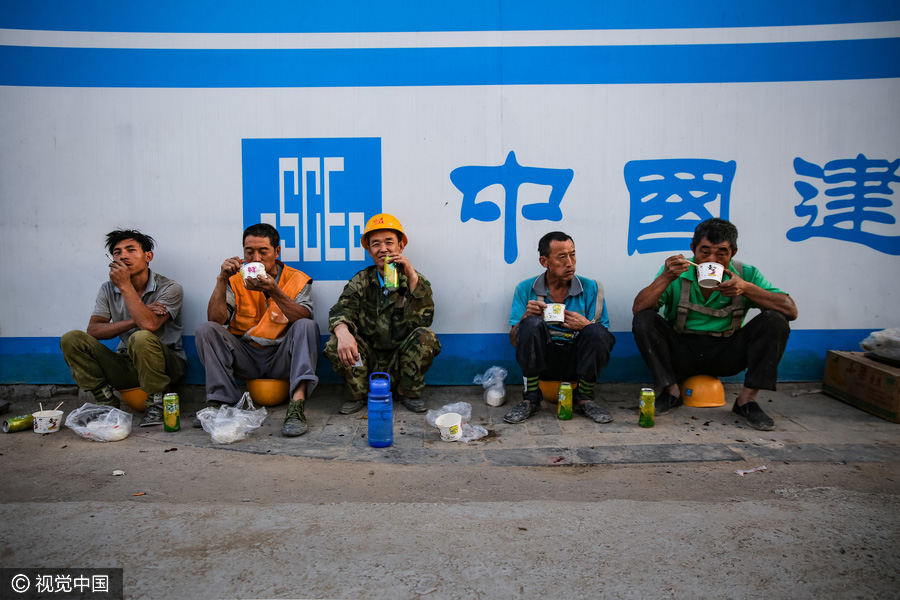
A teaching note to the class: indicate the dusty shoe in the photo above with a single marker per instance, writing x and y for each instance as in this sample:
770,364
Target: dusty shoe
754,416
152,416
666,402
416,405
592,411
295,420
113,402
197,424
351,406
530,404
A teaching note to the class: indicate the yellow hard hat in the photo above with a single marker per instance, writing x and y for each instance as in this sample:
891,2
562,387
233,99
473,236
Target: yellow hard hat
703,391
382,221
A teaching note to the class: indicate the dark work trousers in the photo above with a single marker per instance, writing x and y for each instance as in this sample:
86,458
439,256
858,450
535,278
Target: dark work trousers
584,358
673,357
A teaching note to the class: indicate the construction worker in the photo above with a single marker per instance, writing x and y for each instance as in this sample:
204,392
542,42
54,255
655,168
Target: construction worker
702,330
260,327
380,325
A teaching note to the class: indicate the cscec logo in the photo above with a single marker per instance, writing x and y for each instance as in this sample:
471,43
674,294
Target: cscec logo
318,193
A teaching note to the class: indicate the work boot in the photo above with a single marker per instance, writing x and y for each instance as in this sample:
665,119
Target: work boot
154,413
754,416
294,420
416,405
666,402
530,404
105,396
351,406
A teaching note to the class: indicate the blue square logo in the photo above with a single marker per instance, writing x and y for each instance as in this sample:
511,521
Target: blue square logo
318,193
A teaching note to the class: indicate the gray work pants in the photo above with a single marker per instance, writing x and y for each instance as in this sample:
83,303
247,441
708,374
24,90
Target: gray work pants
226,356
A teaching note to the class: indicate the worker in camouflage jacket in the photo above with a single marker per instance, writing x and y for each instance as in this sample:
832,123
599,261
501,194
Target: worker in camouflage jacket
382,326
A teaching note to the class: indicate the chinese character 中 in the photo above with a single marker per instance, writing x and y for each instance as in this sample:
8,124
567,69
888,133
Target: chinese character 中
855,193
470,180
670,197
82,583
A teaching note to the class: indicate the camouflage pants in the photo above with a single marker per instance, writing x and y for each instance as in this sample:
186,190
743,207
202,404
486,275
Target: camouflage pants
406,365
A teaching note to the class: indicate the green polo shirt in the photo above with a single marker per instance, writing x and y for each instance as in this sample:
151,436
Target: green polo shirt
698,321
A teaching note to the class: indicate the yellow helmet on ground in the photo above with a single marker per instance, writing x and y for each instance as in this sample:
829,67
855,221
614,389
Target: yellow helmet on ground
383,221
703,391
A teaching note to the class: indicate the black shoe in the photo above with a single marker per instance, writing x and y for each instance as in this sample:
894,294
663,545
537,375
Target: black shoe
416,405
113,402
754,416
152,416
197,424
530,404
592,411
351,406
295,420
666,402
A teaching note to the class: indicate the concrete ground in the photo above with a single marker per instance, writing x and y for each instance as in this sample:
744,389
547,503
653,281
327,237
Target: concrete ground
561,509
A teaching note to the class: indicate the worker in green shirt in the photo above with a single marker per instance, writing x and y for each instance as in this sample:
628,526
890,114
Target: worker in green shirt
701,329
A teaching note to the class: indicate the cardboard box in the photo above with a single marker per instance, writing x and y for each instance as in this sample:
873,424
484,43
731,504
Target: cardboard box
867,384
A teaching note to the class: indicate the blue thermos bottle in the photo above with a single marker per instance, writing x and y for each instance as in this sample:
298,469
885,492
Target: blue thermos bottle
381,411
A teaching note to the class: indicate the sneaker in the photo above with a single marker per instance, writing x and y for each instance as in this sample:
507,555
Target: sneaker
351,406
592,411
113,402
666,402
152,416
754,416
294,420
530,404
416,405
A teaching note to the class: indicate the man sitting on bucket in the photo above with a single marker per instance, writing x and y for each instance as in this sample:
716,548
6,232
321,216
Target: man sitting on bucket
260,327
702,331
574,346
143,309
381,321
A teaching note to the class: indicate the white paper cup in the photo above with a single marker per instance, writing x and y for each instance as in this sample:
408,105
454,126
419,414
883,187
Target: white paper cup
253,269
709,274
47,421
555,313
450,425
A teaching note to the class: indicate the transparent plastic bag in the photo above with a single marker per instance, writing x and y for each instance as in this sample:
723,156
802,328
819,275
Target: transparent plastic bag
464,410
884,343
494,390
228,424
99,423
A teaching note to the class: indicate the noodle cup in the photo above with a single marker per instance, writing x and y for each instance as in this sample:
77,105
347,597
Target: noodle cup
555,313
709,274
252,270
450,425
47,421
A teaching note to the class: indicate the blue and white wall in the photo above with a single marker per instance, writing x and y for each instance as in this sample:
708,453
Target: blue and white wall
480,124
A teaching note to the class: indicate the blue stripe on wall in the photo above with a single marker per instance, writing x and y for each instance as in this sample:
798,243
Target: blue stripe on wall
38,360
151,68
318,16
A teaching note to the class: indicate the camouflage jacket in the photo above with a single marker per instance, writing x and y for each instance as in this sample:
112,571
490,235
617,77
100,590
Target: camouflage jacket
383,321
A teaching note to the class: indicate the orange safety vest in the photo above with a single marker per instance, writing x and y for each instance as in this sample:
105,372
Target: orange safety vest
256,316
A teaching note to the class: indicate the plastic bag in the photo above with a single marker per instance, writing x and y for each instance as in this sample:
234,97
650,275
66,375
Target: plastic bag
99,423
884,343
228,424
463,409
492,380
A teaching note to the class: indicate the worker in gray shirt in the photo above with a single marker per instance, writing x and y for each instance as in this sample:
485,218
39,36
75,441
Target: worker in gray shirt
142,309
